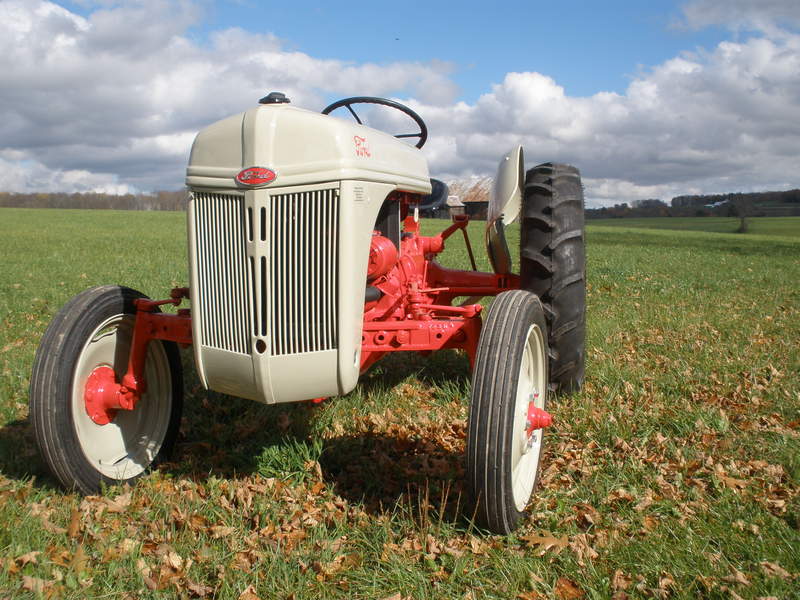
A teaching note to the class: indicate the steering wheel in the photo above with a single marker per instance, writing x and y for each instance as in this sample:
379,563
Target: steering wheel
348,103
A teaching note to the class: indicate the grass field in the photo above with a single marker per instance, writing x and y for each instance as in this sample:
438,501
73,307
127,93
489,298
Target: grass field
770,226
675,473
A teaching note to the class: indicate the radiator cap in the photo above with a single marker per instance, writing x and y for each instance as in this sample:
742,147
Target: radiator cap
274,98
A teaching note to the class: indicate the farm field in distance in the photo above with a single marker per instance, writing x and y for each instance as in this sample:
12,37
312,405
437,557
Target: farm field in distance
771,226
674,473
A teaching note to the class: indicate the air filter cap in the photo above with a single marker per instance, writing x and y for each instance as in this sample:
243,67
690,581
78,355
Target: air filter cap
274,98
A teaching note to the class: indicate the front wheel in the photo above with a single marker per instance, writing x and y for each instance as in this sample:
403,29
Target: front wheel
509,395
94,330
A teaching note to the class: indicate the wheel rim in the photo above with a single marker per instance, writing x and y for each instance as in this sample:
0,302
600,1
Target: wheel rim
531,388
125,447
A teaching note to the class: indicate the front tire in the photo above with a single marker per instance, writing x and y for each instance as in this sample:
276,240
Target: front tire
510,374
92,330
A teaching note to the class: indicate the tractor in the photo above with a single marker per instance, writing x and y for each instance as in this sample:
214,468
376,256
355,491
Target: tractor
307,266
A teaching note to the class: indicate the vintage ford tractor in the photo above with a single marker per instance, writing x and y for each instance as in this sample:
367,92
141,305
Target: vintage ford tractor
306,267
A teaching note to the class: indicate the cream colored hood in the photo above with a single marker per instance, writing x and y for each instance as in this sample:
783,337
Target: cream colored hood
302,147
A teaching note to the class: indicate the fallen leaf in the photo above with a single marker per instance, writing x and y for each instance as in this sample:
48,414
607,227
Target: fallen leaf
29,557
220,531
774,570
731,593
79,560
174,560
35,585
51,528
118,504
145,572
620,581
737,577
531,595
619,495
733,483
650,523
567,590
199,590
546,542
249,594
74,523
581,546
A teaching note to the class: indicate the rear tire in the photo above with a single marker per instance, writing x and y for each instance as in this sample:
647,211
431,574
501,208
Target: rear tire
95,329
510,373
553,265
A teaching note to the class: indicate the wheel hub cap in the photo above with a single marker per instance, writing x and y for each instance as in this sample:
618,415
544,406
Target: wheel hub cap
100,395
537,418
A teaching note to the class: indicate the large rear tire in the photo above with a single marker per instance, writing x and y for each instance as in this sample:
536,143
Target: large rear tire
553,265
510,375
93,330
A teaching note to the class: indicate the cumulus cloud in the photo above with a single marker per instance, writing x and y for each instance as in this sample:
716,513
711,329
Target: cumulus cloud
16,174
721,120
115,98
745,14
124,90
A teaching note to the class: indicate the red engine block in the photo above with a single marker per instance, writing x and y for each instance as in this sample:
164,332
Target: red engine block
414,311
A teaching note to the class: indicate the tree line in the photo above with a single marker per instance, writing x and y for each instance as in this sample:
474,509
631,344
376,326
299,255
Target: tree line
163,200
755,204
786,203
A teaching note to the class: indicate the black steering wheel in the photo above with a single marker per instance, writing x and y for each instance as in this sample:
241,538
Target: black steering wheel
348,103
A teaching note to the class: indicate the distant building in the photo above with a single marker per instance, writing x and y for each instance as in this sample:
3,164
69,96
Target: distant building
455,205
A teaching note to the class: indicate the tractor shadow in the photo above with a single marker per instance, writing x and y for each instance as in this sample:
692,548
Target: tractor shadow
19,457
388,474
434,370
383,470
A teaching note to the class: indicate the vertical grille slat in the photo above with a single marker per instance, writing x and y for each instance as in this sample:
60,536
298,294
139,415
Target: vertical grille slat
304,239
222,297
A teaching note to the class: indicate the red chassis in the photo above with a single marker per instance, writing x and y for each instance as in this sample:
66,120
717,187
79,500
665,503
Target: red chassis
414,310
409,308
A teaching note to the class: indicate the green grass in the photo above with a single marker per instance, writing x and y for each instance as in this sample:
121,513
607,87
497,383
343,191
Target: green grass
769,226
676,468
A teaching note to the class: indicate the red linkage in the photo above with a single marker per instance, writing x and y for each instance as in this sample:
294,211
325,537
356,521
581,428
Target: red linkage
103,395
414,311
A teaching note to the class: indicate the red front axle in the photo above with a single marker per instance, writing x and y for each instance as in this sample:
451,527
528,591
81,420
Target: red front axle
103,395
414,310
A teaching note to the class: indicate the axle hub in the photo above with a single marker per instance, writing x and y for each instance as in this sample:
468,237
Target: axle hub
538,418
103,396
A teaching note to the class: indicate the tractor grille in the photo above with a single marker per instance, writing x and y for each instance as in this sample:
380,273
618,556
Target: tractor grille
221,272
304,229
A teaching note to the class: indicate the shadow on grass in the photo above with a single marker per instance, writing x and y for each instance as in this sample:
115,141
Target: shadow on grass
434,370
19,456
384,472
228,437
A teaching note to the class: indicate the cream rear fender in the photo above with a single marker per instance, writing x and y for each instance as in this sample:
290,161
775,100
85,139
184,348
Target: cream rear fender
504,207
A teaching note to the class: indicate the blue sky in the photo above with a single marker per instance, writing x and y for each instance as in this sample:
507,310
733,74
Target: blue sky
589,46
649,98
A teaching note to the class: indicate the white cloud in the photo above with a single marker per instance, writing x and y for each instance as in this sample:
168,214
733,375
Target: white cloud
723,120
27,175
114,99
125,89
745,14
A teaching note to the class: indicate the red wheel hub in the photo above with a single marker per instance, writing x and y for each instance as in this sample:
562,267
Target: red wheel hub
538,418
100,395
